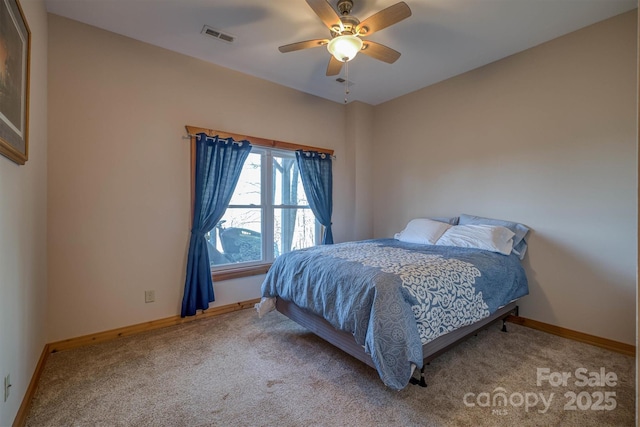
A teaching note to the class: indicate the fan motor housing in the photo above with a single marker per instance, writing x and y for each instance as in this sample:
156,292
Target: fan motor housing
348,26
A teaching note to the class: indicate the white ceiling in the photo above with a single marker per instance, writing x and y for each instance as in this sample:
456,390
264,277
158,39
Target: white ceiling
441,39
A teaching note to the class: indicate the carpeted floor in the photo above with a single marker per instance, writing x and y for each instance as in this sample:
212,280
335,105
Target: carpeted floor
238,370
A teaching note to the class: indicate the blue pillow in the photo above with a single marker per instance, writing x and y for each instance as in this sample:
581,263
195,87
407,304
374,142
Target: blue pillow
519,244
447,220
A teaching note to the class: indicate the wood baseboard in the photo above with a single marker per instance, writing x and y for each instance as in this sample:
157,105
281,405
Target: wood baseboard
147,326
618,347
21,416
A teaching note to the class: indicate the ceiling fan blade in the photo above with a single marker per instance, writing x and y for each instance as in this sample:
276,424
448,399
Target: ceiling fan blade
334,67
380,52
325,12
384,18
303,45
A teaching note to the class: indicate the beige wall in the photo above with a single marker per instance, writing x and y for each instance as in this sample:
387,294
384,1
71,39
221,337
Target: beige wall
637,224
119,192
359,133
23,253
546,137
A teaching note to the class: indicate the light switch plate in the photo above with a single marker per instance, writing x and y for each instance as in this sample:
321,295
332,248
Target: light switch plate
7,386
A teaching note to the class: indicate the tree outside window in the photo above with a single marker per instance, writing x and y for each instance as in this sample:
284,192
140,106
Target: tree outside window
259,224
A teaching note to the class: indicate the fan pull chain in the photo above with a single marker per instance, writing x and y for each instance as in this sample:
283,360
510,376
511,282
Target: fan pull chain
346,81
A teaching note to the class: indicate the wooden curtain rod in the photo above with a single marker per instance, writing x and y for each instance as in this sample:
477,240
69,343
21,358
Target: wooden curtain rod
192,131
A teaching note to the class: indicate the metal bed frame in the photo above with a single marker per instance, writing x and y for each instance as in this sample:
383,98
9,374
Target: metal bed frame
346,342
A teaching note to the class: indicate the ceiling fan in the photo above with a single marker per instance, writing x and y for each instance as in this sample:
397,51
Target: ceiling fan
346,32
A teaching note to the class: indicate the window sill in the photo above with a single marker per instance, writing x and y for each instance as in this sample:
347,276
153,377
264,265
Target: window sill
236,273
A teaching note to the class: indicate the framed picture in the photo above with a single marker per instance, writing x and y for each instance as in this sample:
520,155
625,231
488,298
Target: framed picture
15,52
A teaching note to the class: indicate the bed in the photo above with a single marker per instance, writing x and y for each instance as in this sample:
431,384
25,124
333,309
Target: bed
394,305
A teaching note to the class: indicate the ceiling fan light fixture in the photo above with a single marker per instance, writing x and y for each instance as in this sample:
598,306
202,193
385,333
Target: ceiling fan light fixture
344,48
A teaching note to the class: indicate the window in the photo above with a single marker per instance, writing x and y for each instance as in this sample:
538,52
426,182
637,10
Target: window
268,214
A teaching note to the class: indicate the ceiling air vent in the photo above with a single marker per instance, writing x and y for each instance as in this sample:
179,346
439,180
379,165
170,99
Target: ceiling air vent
217,34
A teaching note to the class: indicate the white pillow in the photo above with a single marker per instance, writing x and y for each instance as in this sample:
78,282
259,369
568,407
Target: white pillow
494,238
423,231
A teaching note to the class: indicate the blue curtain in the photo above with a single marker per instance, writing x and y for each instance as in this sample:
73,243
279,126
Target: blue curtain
218,166
317,180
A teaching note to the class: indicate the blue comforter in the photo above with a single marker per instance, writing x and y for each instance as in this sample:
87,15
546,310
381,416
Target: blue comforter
379,290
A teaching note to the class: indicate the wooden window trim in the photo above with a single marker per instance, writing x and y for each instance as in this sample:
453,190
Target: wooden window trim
236,273
272,143
192,131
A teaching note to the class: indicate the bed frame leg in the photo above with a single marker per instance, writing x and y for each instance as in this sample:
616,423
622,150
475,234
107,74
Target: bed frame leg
504,320
421,382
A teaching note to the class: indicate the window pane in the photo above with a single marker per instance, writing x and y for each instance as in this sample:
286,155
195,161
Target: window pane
236,238
248,188
294,228
287,185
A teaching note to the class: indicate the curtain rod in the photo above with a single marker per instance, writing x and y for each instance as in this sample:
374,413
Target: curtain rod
318,150
192,132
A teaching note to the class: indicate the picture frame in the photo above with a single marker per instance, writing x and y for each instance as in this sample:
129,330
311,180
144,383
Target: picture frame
15,60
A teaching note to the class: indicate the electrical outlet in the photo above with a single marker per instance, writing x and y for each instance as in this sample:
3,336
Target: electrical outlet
7,385
149,296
